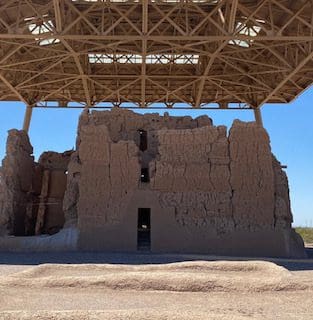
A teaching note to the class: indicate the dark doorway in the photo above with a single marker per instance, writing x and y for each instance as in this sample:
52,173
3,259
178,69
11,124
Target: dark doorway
143,140
144,175
144,229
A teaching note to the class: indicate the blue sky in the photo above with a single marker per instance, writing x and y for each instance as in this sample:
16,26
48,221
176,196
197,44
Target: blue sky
289,126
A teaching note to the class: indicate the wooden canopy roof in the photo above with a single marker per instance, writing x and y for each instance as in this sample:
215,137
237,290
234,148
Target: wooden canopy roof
235,53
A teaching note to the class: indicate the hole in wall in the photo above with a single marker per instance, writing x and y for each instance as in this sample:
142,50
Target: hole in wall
144,229
143,145
144,177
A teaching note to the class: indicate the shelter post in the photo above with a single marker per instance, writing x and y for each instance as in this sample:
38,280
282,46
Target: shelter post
258,116
27,118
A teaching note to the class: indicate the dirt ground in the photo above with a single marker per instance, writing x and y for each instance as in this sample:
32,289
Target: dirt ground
116,286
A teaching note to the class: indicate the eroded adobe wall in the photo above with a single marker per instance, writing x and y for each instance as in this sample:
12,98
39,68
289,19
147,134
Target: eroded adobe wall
50,215
282,212
227,183
31,193
124,125
252,177
192,176
108,177
16,183
71,195
208,191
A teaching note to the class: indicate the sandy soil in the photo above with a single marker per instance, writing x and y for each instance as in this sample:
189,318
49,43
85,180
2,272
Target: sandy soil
182,290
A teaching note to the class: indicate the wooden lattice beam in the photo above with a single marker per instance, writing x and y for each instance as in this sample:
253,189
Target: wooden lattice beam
148,52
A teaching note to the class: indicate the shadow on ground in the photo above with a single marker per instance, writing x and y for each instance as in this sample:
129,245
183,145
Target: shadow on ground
9,258
309,252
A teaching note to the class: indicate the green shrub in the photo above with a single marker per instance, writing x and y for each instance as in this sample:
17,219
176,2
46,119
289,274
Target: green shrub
306,234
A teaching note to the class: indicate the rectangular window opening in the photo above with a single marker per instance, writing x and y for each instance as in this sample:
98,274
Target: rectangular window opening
143,145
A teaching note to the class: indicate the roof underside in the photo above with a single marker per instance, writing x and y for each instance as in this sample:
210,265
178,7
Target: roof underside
138,53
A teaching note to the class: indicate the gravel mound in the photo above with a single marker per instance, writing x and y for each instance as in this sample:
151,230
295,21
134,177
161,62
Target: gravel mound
198,276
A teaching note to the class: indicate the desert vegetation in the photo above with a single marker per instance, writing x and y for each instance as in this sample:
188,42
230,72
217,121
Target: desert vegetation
306,233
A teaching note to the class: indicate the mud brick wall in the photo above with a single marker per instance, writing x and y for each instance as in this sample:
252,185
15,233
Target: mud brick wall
207,188
16,177
109,174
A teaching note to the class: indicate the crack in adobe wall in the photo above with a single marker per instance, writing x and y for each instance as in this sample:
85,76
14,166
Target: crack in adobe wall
229,181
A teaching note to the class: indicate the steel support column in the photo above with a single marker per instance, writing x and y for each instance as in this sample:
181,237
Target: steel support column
27,118
258,116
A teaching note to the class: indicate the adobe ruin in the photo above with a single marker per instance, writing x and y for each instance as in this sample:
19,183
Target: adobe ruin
151,182
31,193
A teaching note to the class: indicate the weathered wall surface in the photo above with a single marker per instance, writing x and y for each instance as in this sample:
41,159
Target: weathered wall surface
71,195
31,194
15,183
4,217
282,214
109,175
50,215
208,192
252,177
192,174
124,125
